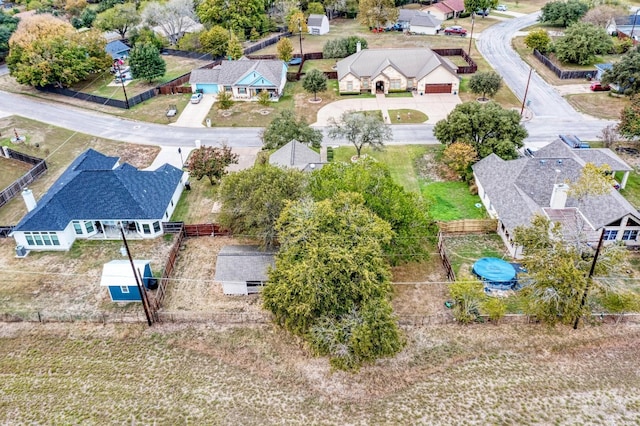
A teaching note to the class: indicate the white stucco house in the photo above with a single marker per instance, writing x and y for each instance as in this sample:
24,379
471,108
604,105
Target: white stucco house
395,70
244,78
95,198
318,24
514,191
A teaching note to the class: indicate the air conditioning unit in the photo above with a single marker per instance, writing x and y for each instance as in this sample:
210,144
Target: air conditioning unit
21,251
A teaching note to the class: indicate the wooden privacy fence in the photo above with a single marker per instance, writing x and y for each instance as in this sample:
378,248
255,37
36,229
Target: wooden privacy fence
161,291
469,69
451,276
468,226
560,73
205,229
19,184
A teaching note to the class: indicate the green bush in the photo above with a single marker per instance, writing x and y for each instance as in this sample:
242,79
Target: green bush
494,307
264,98
468,297
225,100
342,47
329,154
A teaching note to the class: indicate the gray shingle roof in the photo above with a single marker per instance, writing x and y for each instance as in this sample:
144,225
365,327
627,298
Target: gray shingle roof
315,20
295,155
405,15
520,188
243,263
230,72
412,63
92,189
422,19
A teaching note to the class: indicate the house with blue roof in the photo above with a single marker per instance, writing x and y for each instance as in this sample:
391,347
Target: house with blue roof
95,198
244,78
117,49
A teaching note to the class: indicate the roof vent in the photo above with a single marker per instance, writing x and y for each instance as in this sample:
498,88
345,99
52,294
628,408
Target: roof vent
543,161
559,161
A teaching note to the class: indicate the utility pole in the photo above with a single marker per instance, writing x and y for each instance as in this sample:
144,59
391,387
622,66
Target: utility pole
135,275
116,65
473,21
526,91
589,278
300,32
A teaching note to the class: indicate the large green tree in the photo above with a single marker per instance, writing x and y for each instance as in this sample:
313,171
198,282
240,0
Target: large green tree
538,39
8,25
563,13
239,15
405,211
625,73
146,62
252,200
629,125
360,129
45,50
485,83
285,49
119,18
285,127
211,162
581,43
479,5
489,128
559,272
331,284
215,41
376,13
314,81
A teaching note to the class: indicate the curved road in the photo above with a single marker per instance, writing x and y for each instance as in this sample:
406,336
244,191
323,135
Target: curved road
551,113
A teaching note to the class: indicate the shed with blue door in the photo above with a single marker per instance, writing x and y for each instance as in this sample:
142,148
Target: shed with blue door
118,277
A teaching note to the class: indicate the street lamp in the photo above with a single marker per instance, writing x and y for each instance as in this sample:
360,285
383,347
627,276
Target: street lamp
116,65
300,32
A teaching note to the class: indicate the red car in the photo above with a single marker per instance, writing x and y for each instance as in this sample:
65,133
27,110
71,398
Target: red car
455,30
596,86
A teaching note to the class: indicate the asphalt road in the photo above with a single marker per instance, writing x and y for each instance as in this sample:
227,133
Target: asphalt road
552,115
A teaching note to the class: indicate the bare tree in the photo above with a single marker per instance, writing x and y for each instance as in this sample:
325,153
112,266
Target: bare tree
173,17
610,135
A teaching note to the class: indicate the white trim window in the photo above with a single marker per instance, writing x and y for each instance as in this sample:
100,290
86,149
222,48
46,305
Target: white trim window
124,289
630,235
610,234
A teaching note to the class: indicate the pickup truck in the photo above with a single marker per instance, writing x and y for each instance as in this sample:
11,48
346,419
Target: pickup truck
573,141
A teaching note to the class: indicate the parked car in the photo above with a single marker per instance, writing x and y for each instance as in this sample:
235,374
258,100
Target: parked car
295,61
482,12
501,8
455,30
596,86
196,98
573,141
394,27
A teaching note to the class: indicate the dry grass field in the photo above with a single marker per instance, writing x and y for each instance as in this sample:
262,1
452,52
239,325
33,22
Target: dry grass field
177,375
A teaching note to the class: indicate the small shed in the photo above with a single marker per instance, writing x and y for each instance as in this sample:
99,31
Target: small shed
118,277
318,24
117,49
242,269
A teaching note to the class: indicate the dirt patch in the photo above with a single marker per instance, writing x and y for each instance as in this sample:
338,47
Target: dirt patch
430,169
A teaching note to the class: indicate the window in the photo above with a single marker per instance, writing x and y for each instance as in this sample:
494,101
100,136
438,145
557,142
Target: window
349,86
89,227
227,88
54,238
77,227
124,289
365,83
46,239
394,84
242,90
38,239
42,238
29,238
630,235
146,228
156,226
254,286
610,235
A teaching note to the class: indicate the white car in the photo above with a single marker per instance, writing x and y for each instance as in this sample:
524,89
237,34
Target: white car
501,8
196,98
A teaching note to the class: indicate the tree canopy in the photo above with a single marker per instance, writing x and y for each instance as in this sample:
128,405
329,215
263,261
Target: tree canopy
338,298
538,39
285,49
563,13
485,83
173,17
239,15
234,48
285,127
211,162
252,200
45,50
314,81
376,13
146,62
360,129
404,211
8,25
581,43
489,128
629,125
476,5
343,47
215,41
119,18
625,73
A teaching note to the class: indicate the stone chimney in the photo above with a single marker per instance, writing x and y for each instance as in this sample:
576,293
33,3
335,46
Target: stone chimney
559,196
29,199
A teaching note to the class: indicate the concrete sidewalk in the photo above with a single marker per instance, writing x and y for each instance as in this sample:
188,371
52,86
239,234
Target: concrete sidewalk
435,106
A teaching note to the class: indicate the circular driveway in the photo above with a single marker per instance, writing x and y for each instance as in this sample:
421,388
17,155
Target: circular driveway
435,106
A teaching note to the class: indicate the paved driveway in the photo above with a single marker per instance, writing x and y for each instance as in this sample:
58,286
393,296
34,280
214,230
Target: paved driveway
194,115
435,106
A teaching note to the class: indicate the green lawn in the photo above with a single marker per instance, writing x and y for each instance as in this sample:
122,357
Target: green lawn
465,250
632,190
451,201
407,116
320,64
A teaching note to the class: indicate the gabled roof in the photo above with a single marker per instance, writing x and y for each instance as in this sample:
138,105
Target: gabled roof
627,20
296,155
422,19
243,263
522,187
405,15
315,20
94,187
449,6
119,273
230,72
117,49
412,63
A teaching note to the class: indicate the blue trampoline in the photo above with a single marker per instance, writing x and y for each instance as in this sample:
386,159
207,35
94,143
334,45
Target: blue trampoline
496,274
